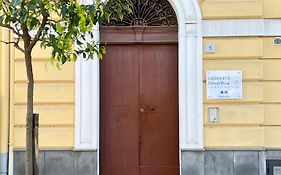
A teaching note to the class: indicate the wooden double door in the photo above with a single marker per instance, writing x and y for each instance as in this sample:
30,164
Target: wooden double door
139,132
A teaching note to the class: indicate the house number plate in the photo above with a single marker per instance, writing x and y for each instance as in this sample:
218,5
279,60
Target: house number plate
224,84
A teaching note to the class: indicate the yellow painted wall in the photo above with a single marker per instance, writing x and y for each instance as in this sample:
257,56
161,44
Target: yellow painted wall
271,9
1,84
237,9
4,91
251,122
255,120
53,98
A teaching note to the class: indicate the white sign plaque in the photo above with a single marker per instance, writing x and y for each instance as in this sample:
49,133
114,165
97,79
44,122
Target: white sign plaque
224,84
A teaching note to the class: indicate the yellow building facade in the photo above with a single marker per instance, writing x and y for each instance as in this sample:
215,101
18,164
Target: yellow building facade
243,32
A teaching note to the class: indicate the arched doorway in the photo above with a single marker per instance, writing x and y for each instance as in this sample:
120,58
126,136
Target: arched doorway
139,110
190,84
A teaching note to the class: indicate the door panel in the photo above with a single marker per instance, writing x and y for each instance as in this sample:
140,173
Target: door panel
159,144
119,142
133,142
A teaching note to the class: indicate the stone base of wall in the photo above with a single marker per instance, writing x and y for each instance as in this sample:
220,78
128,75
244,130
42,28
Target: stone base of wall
232,162
209,162
60,163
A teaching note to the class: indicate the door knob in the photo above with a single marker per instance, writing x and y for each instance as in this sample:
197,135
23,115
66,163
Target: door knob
141,110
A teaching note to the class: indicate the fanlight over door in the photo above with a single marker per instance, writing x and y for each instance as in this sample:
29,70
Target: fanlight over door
146,13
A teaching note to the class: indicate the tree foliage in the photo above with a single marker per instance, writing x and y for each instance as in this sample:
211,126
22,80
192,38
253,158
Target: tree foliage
59,24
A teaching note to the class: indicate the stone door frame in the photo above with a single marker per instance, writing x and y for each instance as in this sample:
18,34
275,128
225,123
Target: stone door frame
190,85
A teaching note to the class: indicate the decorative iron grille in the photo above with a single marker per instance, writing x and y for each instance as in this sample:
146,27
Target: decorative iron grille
146,13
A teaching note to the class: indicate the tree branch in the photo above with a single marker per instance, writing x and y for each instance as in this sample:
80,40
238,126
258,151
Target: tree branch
16,44
6,42
10,28
41,28
25,32
19,48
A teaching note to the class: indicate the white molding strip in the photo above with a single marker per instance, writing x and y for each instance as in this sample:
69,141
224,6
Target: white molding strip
87,100
87,105
242,27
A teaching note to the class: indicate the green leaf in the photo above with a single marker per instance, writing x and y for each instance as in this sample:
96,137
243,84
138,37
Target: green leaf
52,59
16,2
82,24
99,55
34,23
31,6
90,27
1,19
63,59
46,66
103,50
79,42
49,7
91,55
92,9
63,11
59,28
74,57
58,66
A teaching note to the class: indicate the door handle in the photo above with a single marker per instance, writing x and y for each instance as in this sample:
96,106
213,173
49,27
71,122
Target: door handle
141,110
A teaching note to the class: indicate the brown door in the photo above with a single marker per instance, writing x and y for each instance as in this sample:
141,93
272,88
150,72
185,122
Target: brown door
139,110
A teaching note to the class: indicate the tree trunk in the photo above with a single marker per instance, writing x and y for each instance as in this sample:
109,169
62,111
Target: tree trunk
29,116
